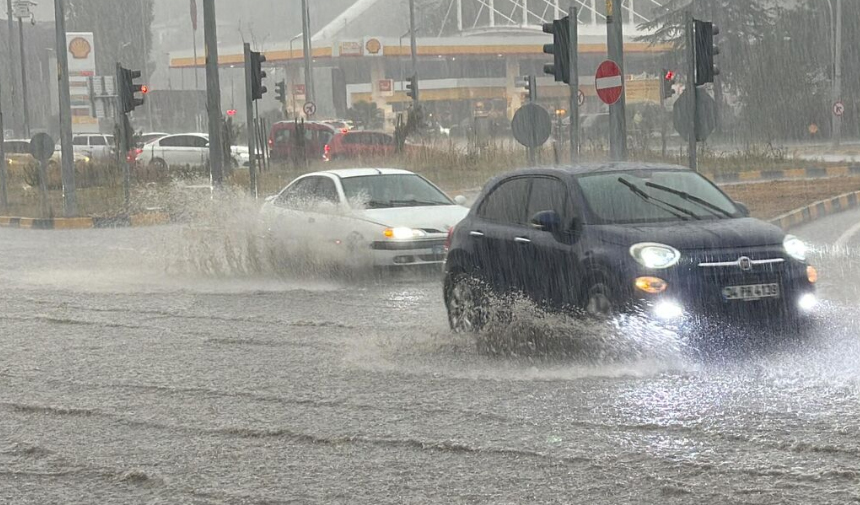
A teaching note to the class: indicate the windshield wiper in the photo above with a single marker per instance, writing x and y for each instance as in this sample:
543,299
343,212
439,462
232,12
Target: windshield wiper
414,202
377,204
713,209
659,203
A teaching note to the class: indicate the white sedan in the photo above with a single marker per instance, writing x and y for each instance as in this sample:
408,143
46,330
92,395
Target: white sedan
396,216
181,150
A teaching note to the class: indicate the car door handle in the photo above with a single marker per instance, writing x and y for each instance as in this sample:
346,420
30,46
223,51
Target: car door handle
522,240
476,233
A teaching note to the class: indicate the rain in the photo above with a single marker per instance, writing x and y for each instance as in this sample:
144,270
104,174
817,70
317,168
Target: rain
430,251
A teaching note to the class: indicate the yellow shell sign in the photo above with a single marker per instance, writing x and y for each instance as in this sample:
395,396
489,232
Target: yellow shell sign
373,46
80,48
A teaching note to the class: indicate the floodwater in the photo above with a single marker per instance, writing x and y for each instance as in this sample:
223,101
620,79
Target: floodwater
126,379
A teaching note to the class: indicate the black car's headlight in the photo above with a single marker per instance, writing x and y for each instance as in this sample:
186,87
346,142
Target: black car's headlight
795,247
656,256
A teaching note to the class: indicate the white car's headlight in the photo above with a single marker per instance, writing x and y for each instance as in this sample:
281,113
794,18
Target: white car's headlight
401,233
651,255
795,247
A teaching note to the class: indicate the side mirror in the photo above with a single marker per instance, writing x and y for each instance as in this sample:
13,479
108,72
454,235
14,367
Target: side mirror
546,220
745,211
460,200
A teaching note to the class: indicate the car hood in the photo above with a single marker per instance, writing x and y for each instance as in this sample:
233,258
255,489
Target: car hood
439,217
688,235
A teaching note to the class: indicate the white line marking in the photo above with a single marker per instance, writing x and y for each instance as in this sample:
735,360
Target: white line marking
608,82
842,241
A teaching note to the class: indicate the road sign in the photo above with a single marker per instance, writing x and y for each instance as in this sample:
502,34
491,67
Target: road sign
580,97
22,8
608,82
531,125
706,114
42,146
309,108
838,109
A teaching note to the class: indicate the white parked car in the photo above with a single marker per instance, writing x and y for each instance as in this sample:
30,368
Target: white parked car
183,149
396,216
97,146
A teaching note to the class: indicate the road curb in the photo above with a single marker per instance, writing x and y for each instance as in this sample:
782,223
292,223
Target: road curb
818,210
785,175
79,223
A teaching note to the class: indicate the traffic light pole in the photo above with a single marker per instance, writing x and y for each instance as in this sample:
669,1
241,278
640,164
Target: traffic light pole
251,125
691,88
122,139
531,81
24,94
414,49
574,83
617,112
308,50
70,199
3,192
213,95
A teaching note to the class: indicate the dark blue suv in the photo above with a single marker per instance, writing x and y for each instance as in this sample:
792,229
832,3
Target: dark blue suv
622,237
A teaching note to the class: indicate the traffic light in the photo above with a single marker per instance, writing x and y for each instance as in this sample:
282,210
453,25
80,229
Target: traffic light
560,49
667,81
127,88
529,82
412,87
257,76
281,91
705,51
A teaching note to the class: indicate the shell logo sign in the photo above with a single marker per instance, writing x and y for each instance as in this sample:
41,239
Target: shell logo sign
80,48
373,46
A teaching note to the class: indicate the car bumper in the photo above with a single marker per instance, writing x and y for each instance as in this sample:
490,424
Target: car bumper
408,252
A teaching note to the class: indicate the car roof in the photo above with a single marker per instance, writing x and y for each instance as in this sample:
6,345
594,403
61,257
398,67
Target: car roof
362,172
595,168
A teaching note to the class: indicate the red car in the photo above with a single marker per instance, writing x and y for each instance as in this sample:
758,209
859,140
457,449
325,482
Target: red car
359,144
282,141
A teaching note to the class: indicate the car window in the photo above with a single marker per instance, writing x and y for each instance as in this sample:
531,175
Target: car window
326,191
97,141
382,139
507,203
195,141
352,138
392,190
79,141
170,141
645,196
548,193
17,147
298,194
282,136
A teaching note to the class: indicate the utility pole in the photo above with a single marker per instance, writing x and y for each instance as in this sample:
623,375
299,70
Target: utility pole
308,49
70,200
213,94
574,81
414,50
250,127
4,202
836,121
144,65
615,46
24,77
689,25
12,63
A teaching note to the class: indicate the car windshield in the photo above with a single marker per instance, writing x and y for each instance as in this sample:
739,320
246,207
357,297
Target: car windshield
651,196
393,190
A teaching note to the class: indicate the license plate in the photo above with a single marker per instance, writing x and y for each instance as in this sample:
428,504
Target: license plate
751,292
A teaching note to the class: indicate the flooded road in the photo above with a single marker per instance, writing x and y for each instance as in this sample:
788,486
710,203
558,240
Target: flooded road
125,384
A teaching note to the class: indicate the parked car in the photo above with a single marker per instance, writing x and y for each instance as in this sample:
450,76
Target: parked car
181,150
282,139
654,239
359,144
95,145
398,217
20,163
146,138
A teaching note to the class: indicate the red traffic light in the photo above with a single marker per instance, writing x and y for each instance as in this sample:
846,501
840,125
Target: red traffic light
231,112
670,75
144,89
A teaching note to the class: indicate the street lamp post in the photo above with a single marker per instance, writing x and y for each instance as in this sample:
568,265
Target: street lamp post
836,67
292,90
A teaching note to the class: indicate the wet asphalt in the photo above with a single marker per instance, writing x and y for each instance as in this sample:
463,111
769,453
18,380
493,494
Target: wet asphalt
124,379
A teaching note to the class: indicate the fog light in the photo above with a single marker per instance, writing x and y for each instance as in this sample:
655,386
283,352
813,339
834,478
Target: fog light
653,285
807,302
668,310
812,274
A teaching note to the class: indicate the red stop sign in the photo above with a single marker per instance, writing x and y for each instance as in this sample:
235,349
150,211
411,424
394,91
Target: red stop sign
609,82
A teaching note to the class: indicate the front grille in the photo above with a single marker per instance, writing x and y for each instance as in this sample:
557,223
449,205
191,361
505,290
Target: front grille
410,245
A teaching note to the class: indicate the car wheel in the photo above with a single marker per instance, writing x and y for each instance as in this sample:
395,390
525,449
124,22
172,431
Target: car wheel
600,302
158,164
466,303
